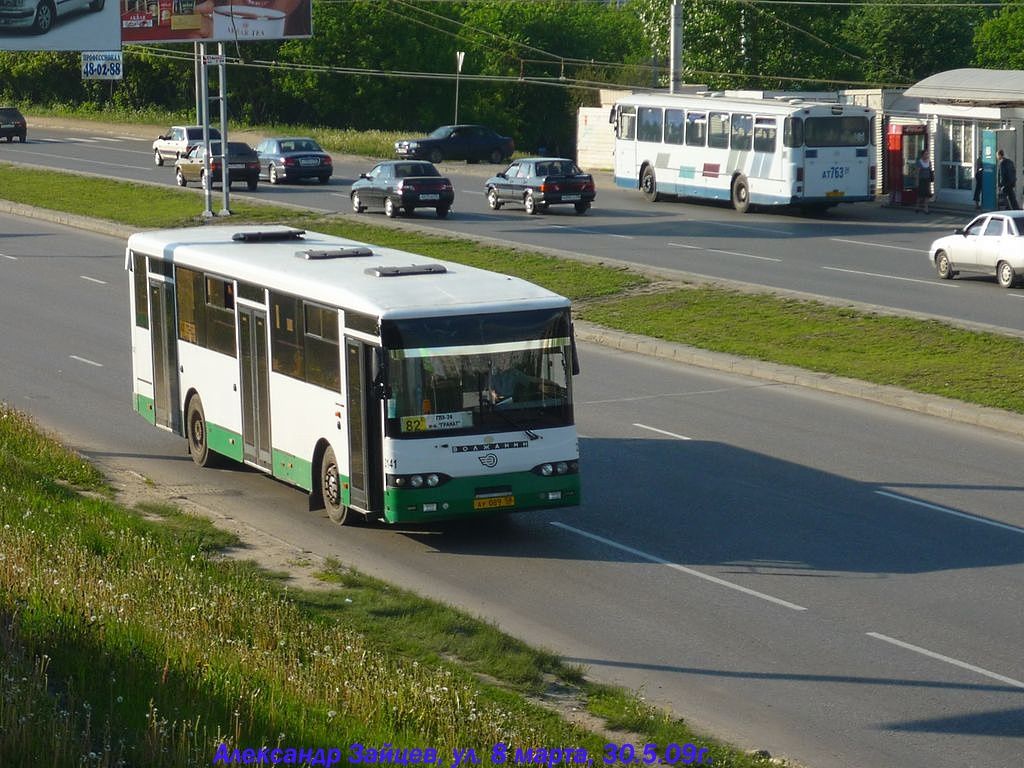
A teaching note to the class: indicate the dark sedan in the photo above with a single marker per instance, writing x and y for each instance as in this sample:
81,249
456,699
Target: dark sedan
537,182
400,186
12,124
243,165
458,142
293,158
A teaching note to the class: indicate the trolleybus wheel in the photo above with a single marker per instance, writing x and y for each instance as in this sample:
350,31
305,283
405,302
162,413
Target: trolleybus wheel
649,185
741,194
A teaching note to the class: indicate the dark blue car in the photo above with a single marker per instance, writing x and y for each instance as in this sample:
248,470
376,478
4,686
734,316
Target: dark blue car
292,158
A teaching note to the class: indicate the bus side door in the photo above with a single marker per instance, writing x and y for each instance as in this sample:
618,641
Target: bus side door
365,429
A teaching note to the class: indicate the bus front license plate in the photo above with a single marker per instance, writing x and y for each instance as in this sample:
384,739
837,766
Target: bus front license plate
494,502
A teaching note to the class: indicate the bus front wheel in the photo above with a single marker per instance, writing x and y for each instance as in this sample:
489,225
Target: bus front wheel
741,194
649,185
330,488
195,425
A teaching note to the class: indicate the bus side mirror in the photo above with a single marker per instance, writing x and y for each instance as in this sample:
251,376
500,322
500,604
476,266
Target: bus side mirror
575,354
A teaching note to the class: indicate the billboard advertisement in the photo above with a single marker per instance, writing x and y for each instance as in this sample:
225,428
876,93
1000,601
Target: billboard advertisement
186,21
59,25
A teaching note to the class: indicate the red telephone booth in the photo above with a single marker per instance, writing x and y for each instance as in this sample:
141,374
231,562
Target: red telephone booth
904,144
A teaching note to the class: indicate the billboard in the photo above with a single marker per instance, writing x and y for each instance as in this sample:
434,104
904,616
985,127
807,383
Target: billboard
186,21
67,25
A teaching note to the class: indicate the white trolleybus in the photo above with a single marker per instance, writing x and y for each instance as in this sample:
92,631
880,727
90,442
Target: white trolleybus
747,151
383,385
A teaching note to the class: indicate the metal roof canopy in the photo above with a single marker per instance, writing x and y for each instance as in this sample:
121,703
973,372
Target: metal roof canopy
972,87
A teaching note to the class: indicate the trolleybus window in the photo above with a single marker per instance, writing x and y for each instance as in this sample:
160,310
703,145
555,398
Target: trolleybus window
650,124
742,131
718,130
696,129
764,134
674,126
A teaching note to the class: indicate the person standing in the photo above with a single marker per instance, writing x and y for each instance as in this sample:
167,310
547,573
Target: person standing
925,177
979,175
1006,178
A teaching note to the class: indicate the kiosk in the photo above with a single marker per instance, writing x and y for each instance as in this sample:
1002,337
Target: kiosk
903,145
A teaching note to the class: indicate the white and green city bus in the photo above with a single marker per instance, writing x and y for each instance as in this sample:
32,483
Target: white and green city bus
382,384
743,150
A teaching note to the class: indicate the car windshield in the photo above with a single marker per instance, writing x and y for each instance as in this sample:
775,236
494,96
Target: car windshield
441,133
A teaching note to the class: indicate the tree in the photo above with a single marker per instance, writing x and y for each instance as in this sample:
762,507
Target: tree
999,41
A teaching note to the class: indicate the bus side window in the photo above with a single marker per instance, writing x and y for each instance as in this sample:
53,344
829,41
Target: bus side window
696,129
650,124
765,134
627,124
286,348
718,130
741,132
673,126
793,132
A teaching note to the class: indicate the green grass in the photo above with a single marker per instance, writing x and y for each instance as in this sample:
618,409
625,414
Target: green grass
124,642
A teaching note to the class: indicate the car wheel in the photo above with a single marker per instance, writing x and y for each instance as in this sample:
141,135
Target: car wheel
10,139
272,174
180,178
21,139
330,488
436,156
582,207
252,184
442,211
96,5
158,159
649,185
357,204
1005,275
44,18
390,209
741,194
530,204
496,156
943,266
324,179
492,199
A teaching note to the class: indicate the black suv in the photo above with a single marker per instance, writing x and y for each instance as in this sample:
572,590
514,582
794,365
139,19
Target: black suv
12,123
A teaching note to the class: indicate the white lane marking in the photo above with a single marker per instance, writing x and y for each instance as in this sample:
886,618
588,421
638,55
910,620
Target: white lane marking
93,280
86,360
953,512
937,283
623,237
471,192
947,659
104,138
684,245
677,567
663,432
744,255
876,245
12,258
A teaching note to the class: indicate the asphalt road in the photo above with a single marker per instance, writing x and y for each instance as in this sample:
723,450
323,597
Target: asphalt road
864,253
832,580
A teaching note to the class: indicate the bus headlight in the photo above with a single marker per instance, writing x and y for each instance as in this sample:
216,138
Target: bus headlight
419,480
551,468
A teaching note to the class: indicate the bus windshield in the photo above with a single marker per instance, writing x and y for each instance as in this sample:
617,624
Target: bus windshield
518,379
836,131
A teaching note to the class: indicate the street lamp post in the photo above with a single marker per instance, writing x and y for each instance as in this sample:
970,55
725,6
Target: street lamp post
459,56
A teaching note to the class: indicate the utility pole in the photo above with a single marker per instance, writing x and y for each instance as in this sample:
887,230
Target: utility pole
675,56
459,56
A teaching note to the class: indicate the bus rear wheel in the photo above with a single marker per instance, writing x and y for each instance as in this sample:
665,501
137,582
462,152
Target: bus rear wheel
330,488
649,185
741,194
195,431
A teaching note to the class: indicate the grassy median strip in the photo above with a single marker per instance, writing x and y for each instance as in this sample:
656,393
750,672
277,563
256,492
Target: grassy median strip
125,640
919,355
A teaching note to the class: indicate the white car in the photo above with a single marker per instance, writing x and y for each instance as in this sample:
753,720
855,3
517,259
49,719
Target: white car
39,16
993,243
178,140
